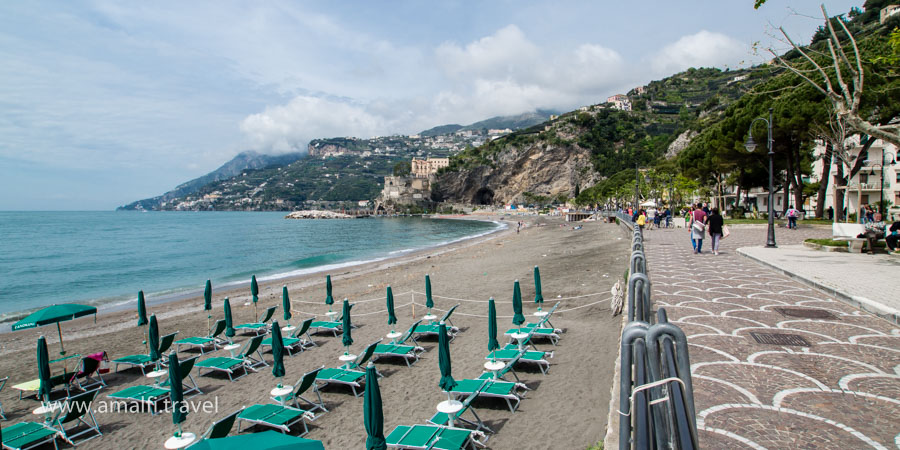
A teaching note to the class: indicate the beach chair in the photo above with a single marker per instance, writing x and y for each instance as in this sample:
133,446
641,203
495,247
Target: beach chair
144,361
335,326
243,360
443,419
219,429
546,319
350,373
2,384
89,374
279,417
433,437
186,366
295,340
261,327
151,395
507,390
308,380
511,352
202,342
535,332
62,381
77,411
434,327
25,435
409,353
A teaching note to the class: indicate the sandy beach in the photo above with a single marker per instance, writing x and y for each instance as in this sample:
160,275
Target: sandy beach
567,408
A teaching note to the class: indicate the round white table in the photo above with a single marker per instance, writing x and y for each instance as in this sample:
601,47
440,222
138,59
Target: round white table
44,409
281,392
331,314
231,348
449,407
346,358
157,374
494,366
183,441
540,314
288,328
519,337
393,335
429,317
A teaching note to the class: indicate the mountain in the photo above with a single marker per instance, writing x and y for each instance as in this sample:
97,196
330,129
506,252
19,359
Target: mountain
247,160
515,122
441,129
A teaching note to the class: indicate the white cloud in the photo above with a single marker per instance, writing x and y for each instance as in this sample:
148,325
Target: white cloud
702,49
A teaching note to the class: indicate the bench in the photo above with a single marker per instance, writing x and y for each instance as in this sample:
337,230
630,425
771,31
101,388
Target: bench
849,232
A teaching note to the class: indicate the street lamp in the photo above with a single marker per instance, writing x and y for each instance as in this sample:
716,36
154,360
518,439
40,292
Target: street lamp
637,186
893,161
750,145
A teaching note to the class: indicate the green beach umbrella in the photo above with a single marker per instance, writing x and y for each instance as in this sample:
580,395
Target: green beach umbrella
518,318
392,318
492,326
176,394
347,340
286,304
429,303
447,382
269,440
229,325
373,412
207,306
43,362
55,314
254,291
277,352
142,309
153,340
538,296
329,300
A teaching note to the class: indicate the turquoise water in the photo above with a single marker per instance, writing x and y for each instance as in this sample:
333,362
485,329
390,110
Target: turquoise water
107,257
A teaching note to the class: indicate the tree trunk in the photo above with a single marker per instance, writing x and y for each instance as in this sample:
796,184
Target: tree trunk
797,178
827,160
839,182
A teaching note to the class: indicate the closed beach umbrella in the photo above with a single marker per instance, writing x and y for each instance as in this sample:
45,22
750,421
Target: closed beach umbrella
207,306
286,304
43,362
347,340
176,392
153,339
447,382
55,314
229,325
329,300
518,318
538,296
277,352
142,309
254,291
429,303
492,326
373,414
392,318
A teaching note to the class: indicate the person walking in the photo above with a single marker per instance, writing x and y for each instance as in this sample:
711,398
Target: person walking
714,224
698,228
792,217
641,220
688,219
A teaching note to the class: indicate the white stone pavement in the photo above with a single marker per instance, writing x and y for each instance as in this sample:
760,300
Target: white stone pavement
870,282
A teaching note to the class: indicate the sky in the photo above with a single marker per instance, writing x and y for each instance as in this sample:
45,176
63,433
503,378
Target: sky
103,103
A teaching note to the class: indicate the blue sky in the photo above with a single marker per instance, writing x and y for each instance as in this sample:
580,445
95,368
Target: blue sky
103,103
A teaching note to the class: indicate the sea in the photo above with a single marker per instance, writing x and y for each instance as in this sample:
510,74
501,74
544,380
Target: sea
104,258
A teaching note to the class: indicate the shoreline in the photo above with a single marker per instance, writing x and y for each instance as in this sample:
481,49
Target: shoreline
111,305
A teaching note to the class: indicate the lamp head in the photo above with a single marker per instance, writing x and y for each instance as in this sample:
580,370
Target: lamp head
750,144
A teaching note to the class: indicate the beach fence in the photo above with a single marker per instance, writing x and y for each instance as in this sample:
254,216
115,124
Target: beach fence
656,401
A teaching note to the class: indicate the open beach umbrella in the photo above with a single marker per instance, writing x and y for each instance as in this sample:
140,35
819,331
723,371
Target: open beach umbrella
518,318
492,326
55,314
207,306
329,300
286,304
373,413
429,303
269,440
43,362
153,340
347,340
538,296
254,291
176,393
392,318
142,309
229,325
447,382
277,352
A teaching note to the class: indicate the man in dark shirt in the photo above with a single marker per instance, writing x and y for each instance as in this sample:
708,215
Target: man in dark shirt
893,236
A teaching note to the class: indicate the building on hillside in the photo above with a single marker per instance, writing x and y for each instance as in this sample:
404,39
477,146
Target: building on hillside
424,168
620,102
400,192
888,11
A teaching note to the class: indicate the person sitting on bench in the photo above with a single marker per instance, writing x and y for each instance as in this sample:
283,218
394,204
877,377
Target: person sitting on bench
893,237
874,232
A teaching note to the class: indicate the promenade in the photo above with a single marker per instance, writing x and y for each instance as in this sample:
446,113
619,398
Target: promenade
775,362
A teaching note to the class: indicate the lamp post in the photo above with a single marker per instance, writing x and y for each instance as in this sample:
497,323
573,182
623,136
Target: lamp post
750,145
637,185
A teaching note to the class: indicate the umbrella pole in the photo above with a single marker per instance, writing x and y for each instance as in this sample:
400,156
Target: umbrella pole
208,325
62,349
255,312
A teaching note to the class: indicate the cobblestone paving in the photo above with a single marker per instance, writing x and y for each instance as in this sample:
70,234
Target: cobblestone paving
841,391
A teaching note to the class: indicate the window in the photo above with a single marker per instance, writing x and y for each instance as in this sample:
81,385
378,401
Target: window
863,178
864,199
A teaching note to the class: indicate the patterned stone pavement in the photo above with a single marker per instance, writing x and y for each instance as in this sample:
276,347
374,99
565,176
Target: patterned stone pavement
837,383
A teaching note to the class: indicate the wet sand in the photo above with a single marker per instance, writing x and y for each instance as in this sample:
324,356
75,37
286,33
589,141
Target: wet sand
567,408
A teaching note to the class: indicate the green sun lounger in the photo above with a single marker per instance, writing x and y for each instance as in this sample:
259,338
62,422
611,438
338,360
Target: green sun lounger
77,419
511,352
186,366
506,390
350,373
443,419
202,342
295,340
25,435
245,360
279,417
151,395
535,332
546,319
434,327
2,384
409,353
219,429
144,361
261,327
307,381
433,437
334,326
